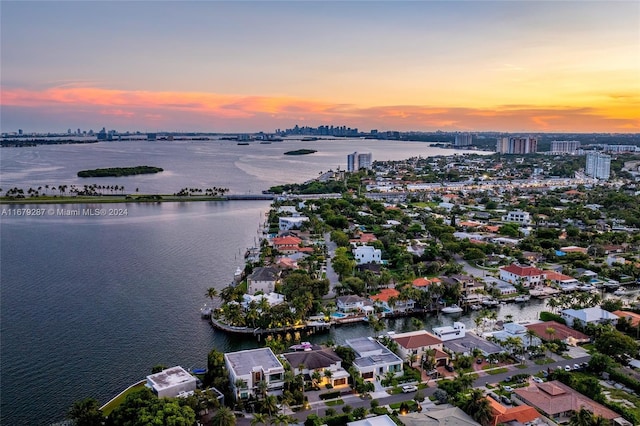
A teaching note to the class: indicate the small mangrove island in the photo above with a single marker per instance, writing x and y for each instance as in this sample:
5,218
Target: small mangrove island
300,152
119,171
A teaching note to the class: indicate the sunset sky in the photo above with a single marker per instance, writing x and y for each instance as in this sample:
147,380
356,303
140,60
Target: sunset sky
510,66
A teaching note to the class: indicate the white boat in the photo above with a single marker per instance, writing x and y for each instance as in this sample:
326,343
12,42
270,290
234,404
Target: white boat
205,311
476,307
453,309
523,298
622,292
490,302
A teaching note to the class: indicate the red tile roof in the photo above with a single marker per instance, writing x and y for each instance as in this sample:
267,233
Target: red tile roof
555,397
562,332
556,276
502,414
522,271
385,294
286,241
630,316
421,282
417,341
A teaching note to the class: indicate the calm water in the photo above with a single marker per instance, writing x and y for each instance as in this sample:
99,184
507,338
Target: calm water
91,304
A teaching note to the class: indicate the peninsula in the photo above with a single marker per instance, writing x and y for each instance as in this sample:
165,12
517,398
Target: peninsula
119,171
301,152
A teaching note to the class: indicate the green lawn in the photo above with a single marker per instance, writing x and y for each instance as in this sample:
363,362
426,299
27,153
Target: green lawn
496,371
117,401
543,361
590,348
412,405
619,394
334,402
521,366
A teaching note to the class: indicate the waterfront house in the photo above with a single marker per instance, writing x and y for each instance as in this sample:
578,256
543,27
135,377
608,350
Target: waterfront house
286,223
565,282
419,343
367,254
559,402
526,275
388,300
288,240
468,284
595,315
253,366
448,332
262,279
307,362
374,360
353,303
560,332
171,382
272,299
424,283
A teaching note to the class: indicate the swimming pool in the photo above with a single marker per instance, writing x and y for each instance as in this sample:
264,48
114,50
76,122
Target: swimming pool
338,315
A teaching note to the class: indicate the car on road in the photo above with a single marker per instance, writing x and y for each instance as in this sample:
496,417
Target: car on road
409,388
538,380
508,388
577,367
567,368
507,379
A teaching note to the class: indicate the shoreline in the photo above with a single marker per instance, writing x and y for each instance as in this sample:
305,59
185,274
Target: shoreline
108,199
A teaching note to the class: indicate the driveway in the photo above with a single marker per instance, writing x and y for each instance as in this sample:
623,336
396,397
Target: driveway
331,274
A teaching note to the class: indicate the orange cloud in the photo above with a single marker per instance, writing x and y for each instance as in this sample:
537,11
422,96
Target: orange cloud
136,108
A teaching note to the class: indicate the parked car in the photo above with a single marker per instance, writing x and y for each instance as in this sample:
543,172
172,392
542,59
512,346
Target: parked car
448,367
577,367
538,380
409,388
508,388
567,368
507,379
479,361
505,400
494,396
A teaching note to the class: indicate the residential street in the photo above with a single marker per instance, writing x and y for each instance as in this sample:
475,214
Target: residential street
331,274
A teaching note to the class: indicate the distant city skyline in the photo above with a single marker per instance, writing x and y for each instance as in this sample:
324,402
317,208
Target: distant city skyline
228,67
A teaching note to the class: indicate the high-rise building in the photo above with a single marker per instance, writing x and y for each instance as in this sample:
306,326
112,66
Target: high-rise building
598,165
464,139
359,161
364,161
565,146
517,145
352,162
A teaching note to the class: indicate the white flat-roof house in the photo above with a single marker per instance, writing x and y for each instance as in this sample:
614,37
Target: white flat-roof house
171,382
450,332
374,360
253,366
262,279
595,315
367,254
286,223
353,303
518,216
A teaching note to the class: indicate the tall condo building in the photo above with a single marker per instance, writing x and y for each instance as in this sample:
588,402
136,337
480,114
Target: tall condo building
357,161
464,139
563,147
598,165
517,145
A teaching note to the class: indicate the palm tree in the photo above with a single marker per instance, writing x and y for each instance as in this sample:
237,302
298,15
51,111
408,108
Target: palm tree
281,420
583,417
259,419
530,334
211,293
478,407
316,377
223,417
411,358
550,331
262,386
270,404
328,374
239,385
